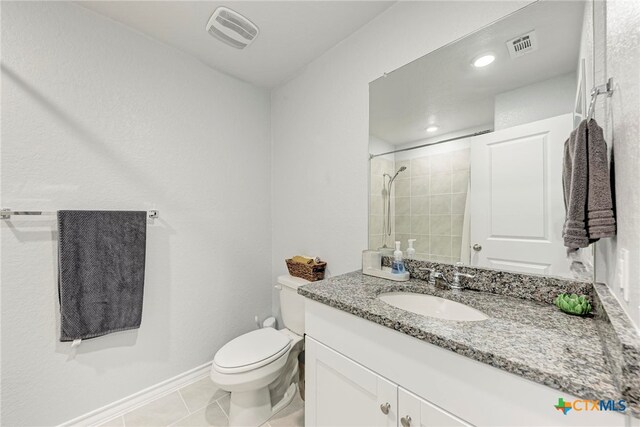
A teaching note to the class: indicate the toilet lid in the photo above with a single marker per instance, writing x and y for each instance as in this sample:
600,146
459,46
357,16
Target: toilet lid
252,350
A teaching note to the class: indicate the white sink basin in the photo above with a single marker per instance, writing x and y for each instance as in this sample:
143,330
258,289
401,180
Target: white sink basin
428,305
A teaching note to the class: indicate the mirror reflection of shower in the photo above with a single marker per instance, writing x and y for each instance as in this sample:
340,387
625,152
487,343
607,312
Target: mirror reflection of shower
386,197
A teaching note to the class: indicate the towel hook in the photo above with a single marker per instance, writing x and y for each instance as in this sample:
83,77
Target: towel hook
606,88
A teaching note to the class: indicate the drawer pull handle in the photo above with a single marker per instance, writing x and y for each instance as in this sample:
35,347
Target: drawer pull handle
385,408
406,421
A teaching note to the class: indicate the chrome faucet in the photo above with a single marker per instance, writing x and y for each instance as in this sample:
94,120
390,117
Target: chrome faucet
434,275
457,275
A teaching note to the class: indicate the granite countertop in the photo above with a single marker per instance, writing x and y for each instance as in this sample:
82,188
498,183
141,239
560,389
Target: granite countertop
529,338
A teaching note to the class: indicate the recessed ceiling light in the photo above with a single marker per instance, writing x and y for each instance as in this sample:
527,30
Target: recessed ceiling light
484,60
432,128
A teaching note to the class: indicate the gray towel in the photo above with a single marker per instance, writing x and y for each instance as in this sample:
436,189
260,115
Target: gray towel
600,216
101,271
587,187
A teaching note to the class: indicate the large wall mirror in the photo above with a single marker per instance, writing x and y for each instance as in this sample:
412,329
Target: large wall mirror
466,144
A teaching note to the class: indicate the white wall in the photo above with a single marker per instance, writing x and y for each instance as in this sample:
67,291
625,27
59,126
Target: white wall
541,100
378,146
619,57
320,127
96,116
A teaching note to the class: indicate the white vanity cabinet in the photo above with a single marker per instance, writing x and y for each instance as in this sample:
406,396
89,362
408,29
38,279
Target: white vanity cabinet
355,367
345,393
341,392
416,412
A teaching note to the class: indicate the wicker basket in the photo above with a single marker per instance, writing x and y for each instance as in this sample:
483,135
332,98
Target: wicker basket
310,272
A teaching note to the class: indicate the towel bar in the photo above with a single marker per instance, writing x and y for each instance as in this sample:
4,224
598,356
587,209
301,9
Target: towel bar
6,213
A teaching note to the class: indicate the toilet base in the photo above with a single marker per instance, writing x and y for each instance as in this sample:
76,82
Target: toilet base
253,408
250,408
286,399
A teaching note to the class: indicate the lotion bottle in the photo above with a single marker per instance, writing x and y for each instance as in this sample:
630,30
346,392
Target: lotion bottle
397,266
411,252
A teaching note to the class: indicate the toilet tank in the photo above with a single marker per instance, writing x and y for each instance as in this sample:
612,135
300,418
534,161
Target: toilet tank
291,304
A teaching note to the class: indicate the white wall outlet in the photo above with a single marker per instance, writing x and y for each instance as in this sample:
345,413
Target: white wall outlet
623,273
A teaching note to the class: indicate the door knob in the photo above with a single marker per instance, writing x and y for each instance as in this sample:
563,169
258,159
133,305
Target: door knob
477,247
385,408
405,421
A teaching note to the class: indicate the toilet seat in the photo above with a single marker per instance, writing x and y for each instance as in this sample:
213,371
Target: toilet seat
251,351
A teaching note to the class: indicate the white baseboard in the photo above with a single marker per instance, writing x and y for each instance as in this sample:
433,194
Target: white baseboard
122,406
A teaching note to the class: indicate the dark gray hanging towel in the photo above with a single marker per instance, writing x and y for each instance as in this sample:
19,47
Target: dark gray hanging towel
587,187
101,259
601,221
575,180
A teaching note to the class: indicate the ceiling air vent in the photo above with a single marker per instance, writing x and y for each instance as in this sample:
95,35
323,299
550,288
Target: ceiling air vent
231,28
523,44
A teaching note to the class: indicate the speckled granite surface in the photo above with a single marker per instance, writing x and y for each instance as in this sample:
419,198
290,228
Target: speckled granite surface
525,286
529,338
621,344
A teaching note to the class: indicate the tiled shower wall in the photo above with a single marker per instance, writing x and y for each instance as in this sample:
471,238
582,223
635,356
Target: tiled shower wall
379,166
430,200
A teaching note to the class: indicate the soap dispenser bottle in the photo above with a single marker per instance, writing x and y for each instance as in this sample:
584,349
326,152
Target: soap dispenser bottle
411,252
397,266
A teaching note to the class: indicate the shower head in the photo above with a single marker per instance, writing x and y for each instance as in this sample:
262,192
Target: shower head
391,178
402,169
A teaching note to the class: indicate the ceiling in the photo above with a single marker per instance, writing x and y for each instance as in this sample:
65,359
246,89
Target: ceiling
443,87
292,33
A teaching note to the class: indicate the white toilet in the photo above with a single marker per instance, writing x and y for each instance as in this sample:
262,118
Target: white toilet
252,366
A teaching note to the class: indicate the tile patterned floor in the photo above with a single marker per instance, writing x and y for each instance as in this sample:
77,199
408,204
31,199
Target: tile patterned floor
199,404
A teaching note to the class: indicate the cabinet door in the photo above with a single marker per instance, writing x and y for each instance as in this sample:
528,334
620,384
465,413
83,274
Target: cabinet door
340,392
416,412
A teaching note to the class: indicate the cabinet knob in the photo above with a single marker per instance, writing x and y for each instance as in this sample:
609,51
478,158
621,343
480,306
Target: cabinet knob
385,408
406,421
477,247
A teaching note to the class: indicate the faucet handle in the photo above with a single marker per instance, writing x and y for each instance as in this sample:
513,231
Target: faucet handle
457,270
457,275
433,274
437,275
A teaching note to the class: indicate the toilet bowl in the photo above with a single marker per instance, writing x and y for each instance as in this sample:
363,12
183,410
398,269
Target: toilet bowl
248,365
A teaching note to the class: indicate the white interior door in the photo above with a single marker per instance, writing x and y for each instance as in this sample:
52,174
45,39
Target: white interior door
517,202
340,392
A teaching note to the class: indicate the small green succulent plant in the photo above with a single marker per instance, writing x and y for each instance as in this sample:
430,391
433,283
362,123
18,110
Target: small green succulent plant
573,304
